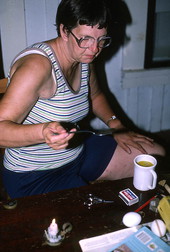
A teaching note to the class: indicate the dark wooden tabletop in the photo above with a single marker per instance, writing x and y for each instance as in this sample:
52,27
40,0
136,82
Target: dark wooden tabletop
22,228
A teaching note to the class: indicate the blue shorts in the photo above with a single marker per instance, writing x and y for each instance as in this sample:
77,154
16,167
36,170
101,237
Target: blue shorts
89,165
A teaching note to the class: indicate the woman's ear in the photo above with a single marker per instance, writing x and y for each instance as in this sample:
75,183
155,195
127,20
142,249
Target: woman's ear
63,32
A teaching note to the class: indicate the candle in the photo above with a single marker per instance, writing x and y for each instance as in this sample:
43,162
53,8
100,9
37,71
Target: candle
53,228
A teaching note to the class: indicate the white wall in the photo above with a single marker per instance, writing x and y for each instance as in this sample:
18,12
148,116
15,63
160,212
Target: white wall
23,22
12,29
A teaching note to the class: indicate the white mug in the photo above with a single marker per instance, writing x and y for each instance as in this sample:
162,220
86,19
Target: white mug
145,177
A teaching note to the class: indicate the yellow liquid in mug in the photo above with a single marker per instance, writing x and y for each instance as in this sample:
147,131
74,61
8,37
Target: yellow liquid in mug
144,163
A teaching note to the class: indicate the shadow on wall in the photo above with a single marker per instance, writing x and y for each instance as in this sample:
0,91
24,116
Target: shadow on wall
121,18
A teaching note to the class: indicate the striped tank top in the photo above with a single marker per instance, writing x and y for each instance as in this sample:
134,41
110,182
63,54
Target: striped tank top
66,105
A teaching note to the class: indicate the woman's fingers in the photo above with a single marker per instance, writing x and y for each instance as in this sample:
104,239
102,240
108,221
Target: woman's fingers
132,139
56,136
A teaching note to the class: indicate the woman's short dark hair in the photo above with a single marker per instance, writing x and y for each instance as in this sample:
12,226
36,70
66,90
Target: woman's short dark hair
71,13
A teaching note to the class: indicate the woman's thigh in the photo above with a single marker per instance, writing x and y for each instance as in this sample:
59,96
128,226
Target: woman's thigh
121,164
98,152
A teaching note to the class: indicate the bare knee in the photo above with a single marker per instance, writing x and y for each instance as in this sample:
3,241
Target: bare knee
155,150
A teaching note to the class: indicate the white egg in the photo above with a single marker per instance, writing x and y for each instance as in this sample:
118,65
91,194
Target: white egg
131,219
158,227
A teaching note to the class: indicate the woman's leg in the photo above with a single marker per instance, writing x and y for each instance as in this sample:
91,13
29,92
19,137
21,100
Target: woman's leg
121,164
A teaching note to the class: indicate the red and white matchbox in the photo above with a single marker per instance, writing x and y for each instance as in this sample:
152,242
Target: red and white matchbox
128,196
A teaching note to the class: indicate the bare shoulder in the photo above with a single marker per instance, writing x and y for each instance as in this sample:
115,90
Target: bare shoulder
31,79
32,62
33,71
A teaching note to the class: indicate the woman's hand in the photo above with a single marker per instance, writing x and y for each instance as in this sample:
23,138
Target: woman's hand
131,139
56,136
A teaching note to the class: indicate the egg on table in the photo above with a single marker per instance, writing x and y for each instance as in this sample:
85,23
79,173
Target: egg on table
158,227
131,219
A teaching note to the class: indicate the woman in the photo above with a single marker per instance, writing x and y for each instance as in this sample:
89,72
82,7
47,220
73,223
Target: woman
52,83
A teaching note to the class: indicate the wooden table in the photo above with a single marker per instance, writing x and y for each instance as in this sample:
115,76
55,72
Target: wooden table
22,228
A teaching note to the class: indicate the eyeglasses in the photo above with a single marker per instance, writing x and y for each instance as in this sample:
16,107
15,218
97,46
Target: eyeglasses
88,41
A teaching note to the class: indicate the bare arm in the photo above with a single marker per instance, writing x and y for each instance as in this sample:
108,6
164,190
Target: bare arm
100,105
102,110
31,79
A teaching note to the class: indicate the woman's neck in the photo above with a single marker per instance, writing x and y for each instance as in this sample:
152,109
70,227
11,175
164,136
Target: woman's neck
67,64
69,67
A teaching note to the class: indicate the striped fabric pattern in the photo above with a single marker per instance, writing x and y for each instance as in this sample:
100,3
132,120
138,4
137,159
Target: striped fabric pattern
66,105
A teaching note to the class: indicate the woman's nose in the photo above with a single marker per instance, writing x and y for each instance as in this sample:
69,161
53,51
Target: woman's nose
94,47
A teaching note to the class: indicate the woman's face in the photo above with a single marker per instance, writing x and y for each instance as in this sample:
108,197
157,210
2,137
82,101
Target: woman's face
85,55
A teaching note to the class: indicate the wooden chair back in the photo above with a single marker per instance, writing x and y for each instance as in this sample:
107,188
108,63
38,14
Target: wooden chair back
3,194
3,85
